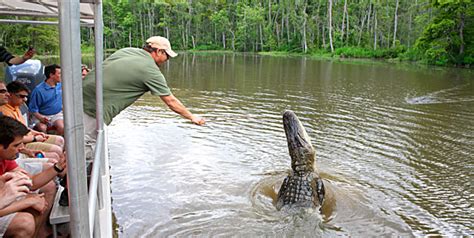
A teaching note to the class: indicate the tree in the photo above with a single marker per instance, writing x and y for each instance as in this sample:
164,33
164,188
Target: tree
443,40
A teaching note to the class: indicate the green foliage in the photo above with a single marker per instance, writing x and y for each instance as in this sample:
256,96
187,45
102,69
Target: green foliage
432,31
444,40
17,38
209,47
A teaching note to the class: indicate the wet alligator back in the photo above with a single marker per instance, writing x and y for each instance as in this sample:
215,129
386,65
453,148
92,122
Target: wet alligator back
305,190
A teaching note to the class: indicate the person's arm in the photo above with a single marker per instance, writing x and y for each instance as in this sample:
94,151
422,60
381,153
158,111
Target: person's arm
29,153
12,186
21,59
175,105
35,201
34,136
39,180
42,118
34,105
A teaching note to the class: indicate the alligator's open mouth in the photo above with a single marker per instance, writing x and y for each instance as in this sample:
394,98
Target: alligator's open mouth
299,144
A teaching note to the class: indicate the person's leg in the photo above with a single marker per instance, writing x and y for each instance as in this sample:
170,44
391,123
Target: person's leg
45,147
5,222
41,127
52,157
22,225
49,191
57,121
55,140
59,126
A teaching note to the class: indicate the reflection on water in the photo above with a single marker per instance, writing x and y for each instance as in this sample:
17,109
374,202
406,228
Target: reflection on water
396,145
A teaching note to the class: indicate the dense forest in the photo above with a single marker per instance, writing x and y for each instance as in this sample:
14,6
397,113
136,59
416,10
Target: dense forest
429,31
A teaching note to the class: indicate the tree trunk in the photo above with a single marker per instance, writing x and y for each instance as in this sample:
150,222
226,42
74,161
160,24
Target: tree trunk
324,36
318,28
270,13
223,40
287,27
461,34
375,29
410,23
304,41
395,25
361,29
233,40
189,22
343,21
369,16
183,34
141,24
330,24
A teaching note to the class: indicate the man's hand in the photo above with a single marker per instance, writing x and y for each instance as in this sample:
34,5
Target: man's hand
29,54
62,162
37,202
40,138
12,186
43,119
198,120
27,152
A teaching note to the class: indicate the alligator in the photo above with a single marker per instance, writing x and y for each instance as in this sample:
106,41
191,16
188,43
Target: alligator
303,187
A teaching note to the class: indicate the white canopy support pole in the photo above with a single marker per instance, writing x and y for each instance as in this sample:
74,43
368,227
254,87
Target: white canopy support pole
70,45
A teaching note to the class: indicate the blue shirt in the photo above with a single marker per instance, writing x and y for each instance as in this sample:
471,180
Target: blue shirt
46,100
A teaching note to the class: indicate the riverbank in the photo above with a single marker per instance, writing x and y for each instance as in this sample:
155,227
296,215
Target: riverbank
345,54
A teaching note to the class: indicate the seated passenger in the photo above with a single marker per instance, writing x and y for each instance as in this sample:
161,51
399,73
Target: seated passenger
35,141
27,216
31,165
46,102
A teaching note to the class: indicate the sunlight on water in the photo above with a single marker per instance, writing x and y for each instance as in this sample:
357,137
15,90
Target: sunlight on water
398,165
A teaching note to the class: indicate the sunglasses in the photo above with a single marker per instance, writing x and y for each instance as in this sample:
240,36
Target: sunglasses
2,91
21,95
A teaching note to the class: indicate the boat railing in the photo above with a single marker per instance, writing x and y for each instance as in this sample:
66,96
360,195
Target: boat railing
94,193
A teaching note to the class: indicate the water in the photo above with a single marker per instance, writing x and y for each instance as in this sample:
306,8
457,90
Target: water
395,143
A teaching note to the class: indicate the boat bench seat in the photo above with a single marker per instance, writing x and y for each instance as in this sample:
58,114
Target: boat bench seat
59,214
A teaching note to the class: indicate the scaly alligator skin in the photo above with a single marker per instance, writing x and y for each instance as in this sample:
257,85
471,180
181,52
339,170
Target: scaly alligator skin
303,187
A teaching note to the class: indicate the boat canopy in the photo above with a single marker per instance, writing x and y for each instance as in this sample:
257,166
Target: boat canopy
43,9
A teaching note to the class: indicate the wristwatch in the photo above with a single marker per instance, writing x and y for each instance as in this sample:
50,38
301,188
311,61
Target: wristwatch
57,169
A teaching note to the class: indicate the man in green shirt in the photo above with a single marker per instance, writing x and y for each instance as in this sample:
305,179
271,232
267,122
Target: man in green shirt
128,74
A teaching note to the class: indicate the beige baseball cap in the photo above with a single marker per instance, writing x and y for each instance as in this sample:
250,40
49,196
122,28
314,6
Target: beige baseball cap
161,43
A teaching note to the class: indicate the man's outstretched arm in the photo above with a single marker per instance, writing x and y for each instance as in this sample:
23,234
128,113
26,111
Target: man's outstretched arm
175,105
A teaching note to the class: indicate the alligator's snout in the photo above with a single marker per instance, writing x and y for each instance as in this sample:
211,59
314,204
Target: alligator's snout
303,187
299,143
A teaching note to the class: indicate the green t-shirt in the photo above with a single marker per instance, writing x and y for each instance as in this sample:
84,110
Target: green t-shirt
128,74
